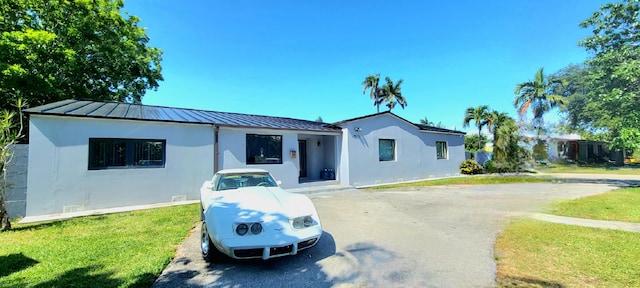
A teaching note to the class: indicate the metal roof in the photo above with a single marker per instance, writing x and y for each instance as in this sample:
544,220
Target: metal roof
419,126
114,110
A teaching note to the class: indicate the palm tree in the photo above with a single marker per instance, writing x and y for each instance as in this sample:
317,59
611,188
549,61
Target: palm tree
426,121
371,82
478,114
391,94
537,95
495,121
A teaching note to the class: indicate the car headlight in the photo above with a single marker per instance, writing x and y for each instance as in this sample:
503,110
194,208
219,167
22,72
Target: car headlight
242,229
302,222
256,228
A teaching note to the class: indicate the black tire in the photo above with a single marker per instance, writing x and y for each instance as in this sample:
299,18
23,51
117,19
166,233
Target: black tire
201,213
209,251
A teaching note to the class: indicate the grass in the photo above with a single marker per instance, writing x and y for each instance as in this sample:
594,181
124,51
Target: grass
532,253
617,205
475,180
592,169
117,250
538,254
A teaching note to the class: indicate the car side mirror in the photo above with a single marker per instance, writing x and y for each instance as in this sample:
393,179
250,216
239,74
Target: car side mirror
279,182
209,186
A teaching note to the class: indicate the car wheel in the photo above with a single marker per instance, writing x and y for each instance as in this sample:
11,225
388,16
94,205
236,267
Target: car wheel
209,251
201,213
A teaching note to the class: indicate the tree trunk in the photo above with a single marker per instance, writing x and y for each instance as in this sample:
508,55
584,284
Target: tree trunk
479,140
4,218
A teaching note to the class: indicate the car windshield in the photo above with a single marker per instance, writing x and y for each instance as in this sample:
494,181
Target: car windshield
240,180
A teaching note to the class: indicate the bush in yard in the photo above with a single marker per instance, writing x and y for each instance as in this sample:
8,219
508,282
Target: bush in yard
471,167
490,167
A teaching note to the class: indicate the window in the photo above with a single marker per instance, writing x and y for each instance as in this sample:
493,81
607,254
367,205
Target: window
264,149
113,153
442,150
387,149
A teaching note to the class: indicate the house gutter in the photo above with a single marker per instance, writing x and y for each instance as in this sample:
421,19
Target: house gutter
216,130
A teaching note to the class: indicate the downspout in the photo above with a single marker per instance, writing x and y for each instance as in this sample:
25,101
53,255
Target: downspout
216,157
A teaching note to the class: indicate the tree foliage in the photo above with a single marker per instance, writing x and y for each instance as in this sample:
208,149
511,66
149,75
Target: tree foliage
52,50
425,121
473,142
8,138
538,97
371,83
508,155
604,93
480,115
389,94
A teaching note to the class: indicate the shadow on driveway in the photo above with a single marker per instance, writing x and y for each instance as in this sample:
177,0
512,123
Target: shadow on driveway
301,270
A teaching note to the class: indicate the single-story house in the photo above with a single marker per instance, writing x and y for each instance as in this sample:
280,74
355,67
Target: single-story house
572,147
86,155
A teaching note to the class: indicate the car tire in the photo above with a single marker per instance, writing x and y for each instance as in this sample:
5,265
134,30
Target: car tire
209,251
201,213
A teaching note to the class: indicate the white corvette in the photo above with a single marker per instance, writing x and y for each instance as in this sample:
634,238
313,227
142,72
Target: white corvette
245,214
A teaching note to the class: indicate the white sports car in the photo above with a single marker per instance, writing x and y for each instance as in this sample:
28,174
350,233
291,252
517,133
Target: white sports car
245,214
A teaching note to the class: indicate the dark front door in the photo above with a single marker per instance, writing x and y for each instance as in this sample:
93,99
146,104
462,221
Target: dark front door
302,150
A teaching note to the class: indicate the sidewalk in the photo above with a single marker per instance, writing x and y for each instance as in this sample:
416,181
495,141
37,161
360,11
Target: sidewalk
614,225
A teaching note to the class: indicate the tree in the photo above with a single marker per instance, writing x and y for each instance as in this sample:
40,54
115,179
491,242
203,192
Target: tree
480,115
54,50
538,96
426,122
508,155
494,121
613,98
391,93
8,138
371,83
472,143
319,119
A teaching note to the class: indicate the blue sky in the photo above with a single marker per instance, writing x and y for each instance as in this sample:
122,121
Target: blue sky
304,59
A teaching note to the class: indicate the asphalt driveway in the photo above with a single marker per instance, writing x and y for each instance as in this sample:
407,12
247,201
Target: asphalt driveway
439,236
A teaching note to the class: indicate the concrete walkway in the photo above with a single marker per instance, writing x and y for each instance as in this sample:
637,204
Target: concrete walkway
602,224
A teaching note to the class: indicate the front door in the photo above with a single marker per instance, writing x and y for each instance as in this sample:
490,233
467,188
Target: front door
302,150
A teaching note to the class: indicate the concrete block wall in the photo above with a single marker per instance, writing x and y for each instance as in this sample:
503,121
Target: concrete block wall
17,178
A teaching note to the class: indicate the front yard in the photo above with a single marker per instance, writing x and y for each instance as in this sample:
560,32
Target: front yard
532,253
116,250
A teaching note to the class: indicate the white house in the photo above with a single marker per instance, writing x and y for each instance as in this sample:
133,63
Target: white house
86,155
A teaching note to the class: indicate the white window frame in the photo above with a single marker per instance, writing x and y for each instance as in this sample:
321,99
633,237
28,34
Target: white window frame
393,142
446,150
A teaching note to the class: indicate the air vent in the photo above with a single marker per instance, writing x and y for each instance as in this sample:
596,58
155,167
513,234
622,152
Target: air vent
72,208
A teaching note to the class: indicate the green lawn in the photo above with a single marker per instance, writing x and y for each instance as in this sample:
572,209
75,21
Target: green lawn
532,253
538,254
592,169
474,180
617,205
117,250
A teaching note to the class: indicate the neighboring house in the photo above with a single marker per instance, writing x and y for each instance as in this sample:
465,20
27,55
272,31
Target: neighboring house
86,155
571,147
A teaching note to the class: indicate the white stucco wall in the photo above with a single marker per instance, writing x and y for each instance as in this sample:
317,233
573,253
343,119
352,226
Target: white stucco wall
415,154
59,179
232,149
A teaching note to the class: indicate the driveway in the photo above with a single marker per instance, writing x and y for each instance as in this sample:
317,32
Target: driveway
439,236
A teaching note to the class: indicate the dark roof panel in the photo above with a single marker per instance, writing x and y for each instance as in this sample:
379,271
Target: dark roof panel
98,109
438,129
419,126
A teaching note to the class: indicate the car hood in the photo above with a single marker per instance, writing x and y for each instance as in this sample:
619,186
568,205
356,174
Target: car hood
263,203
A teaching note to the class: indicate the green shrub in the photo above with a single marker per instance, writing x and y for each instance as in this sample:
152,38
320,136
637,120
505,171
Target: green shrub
490,167
471,167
